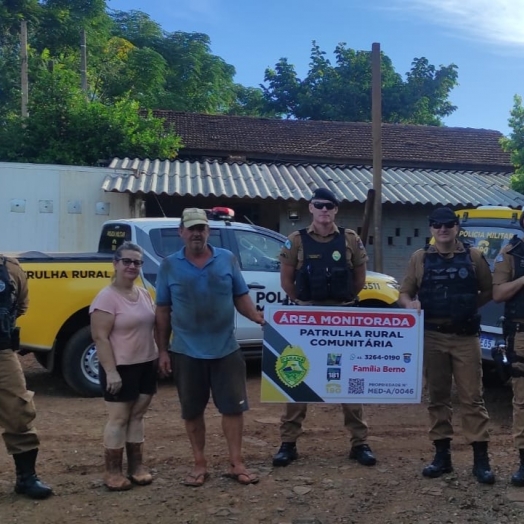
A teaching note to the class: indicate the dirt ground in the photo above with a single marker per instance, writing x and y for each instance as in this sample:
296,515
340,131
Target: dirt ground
323,486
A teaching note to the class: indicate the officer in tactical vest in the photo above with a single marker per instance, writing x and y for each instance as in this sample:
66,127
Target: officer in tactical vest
450,280
17,409
508,287
323,265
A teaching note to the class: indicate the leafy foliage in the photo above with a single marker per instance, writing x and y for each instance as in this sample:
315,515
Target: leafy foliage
514,144
343,91
134,66
65,127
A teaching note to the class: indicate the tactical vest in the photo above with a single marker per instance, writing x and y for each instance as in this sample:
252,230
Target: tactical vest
514,308
449,287
324,274
7,310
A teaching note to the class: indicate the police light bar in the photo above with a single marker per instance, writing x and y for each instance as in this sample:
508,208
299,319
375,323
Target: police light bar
221,213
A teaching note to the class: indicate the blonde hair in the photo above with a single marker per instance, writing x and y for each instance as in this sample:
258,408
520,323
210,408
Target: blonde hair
127,246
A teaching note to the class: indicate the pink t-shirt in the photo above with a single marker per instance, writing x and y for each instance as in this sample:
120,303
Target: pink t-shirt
132,334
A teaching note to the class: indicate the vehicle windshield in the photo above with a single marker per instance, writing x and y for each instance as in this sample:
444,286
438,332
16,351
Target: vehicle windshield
489,240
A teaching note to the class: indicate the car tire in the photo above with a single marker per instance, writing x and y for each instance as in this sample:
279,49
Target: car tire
80,364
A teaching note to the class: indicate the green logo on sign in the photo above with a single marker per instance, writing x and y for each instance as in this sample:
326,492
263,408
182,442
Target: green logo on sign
292,366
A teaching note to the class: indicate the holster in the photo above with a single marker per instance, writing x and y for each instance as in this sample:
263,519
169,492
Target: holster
12,342
509,329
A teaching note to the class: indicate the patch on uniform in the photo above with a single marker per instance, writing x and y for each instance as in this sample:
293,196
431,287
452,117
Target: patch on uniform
499,258
336,256
2,286
463,272
287,244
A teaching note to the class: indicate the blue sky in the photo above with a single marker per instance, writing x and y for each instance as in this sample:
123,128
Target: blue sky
485,38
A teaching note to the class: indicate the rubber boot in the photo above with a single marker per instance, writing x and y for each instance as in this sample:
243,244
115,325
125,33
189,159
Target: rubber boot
136,471
27,483
481,467
442,461
517,478
114,480
286,454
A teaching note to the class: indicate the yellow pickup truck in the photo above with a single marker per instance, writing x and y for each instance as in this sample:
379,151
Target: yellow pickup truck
62,286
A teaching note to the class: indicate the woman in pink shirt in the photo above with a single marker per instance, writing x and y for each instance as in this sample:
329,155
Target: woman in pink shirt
122,320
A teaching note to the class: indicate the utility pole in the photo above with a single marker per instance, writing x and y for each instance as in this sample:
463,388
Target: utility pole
83,61
376,127
23,73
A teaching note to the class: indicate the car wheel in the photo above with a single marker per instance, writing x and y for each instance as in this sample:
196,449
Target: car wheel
80,364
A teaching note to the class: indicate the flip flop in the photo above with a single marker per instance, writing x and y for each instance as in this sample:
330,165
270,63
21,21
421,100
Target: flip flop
243,478
195,481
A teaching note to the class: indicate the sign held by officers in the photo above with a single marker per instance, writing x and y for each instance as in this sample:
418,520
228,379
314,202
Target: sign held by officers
342,355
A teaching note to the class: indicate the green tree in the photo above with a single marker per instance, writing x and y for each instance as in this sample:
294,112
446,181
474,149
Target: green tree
249,101
65,127
61,22
12,12
137,27
194,78
122,69
514,144
343,91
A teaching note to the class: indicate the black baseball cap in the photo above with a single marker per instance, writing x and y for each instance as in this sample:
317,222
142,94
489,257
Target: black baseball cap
324,194
442,215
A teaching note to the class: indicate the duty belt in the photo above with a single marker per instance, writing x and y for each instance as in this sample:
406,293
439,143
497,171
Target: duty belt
450,329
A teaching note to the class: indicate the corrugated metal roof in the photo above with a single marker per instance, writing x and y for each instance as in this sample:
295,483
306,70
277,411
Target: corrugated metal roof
295,182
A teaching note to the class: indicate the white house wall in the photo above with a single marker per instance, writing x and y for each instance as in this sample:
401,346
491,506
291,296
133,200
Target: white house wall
55,208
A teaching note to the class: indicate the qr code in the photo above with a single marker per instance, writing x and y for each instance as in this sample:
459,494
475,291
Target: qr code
356,386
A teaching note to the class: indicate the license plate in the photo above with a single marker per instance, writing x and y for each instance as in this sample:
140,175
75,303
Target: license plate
486,342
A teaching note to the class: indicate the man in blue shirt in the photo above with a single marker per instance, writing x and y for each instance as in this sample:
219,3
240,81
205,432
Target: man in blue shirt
197,291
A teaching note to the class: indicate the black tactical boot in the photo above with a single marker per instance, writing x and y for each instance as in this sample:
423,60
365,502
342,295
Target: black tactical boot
363,455
517,478
442,461
481,467
286,454
27,483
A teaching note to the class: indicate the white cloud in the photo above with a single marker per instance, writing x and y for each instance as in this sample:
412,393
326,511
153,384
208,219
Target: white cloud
494,21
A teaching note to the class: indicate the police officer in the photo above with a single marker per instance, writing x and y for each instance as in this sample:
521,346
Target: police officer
450,281
17,409
508,287
323,265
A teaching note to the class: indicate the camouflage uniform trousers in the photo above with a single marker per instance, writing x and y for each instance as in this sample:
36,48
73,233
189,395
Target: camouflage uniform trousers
17,409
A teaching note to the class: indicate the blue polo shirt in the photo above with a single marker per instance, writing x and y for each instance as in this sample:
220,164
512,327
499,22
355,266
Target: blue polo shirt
201,300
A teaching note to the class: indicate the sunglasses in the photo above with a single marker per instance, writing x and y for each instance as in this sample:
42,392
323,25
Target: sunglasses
447,225
321,205
128,261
